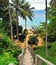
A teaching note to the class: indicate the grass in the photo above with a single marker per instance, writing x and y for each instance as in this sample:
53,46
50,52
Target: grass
51,52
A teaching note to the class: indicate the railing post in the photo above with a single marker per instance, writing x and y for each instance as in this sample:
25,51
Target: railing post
39,62
35,60
20,57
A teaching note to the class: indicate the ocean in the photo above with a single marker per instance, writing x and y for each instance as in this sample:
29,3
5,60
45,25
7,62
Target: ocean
39,16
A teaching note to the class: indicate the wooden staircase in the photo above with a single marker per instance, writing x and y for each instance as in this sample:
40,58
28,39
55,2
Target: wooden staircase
29,58
26,58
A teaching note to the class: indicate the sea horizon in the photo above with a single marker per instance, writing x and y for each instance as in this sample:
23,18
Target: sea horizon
39,16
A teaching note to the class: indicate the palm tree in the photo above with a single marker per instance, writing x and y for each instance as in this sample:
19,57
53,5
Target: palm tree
19,7
29,11
30,15
46,28
23,8
53,3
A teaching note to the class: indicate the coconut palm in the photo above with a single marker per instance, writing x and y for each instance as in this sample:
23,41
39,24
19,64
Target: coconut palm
30,15
18,4
53,3
24,10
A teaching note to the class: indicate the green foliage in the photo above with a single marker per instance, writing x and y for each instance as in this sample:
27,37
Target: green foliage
4,10
7,58
32,40
20,28
1,24
14,50
39,30
22,37
51,52
8,52
17,52
52,23
4,41
25,31
52,49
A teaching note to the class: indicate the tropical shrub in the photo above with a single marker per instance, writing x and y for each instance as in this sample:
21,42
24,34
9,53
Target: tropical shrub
7,58
51,52
33,40
20,28
22,37
15,51
52,49
5,41
25,31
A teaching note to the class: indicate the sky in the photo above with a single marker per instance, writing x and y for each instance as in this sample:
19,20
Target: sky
38,4
39,16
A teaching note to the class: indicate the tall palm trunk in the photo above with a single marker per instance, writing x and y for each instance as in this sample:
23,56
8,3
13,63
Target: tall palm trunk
17,20
10,23
46,28
17,24
25,31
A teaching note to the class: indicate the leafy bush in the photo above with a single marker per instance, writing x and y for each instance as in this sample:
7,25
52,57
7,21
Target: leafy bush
15,51
33,40
52,37
22,37
7,58
52,49
20,28
8,52
25,31
51,52
4,41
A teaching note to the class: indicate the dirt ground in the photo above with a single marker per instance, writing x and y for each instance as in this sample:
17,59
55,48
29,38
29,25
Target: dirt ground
22,45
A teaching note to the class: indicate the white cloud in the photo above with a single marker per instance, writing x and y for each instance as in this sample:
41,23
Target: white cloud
38,4
10,1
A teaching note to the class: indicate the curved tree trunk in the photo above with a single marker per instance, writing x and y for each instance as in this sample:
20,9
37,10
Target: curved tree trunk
10,23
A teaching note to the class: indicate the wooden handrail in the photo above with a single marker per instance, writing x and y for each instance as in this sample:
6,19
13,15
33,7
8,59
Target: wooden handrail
20,57
40,59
